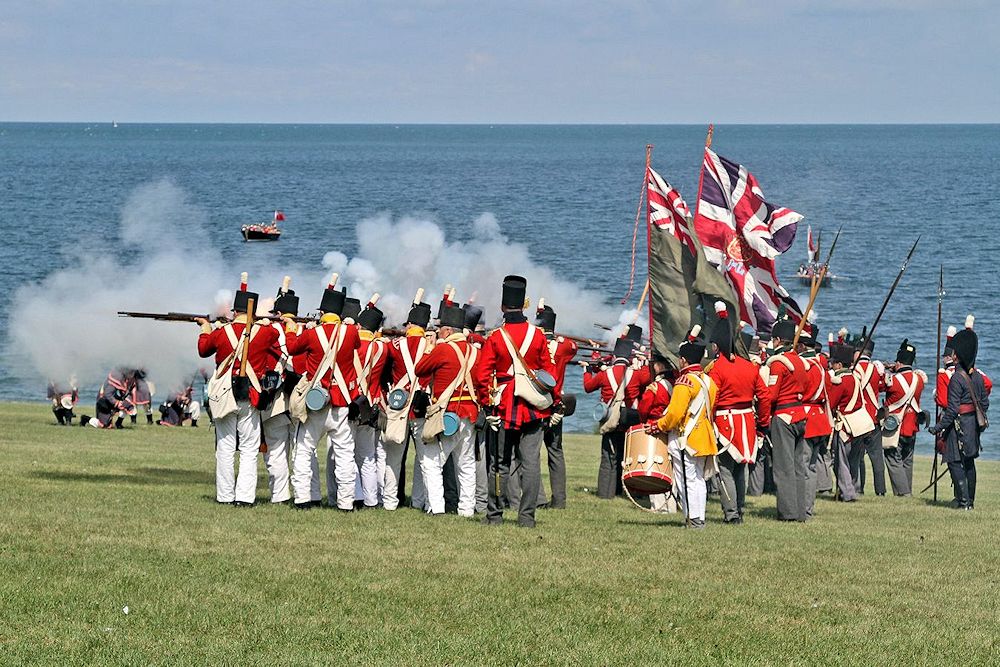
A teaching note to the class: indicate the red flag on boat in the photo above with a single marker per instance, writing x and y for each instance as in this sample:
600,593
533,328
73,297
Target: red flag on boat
742,235
278,216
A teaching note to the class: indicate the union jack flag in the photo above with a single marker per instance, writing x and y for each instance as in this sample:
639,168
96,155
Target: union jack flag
667,209
742,235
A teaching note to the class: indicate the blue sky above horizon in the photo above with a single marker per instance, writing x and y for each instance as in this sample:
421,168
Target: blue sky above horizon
438,61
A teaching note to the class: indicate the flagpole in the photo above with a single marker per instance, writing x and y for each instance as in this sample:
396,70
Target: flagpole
815,283
937,406
635,229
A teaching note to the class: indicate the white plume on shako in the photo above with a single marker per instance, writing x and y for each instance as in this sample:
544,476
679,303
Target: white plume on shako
182,271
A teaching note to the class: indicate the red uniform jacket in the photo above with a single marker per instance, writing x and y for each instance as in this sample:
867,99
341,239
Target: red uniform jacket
819,421
875,372
839,390
561,350
655,399
944,377
736,419
895,393
261,353
602,380
415,345
496,362
372,357
787,382
438,370
308,343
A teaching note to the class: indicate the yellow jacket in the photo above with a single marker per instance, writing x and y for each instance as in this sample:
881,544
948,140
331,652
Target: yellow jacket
702,441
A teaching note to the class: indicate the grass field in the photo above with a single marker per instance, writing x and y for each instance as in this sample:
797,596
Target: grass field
96,521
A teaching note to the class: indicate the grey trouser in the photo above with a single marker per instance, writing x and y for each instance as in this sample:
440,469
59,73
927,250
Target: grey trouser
899,463
519,450
824,462
815,463
846,454
760,478
482,495
791,469
609,475
553,439
963,478
871,444
733,480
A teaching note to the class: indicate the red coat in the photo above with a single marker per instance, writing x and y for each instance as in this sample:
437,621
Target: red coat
819,421
260,354
601,380
562,351
895,392
416,345
654,401
737,416
875,385
496,362
373,356
308,343
787,382
438,370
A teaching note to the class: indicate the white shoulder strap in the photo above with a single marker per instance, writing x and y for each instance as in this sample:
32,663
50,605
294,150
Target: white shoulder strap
528,337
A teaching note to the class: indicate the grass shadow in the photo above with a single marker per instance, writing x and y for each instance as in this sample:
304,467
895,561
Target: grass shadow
141,476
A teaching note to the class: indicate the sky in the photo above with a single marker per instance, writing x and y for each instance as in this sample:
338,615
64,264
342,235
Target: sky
555,61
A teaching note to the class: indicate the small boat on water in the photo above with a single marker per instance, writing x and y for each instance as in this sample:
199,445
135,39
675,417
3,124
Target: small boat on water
811,269
265,231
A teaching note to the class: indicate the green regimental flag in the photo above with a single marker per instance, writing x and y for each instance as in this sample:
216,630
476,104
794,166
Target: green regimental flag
683,286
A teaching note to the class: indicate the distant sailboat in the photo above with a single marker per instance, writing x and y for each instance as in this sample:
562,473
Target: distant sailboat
114,123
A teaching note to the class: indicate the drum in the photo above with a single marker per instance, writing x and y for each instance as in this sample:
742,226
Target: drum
646,467
450,423
397,399
317,398
66,402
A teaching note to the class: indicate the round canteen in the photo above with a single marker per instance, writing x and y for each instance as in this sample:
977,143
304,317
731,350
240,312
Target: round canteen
450,423
397,399
317,398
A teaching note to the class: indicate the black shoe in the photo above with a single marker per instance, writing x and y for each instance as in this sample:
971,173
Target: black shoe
696,524
240,503
734,522
487,521
525,524
132,419
194,423
149,420
302,506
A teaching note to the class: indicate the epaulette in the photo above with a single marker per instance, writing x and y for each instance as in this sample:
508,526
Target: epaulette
836,379
560,339
922,375
684,381
783,359
709,365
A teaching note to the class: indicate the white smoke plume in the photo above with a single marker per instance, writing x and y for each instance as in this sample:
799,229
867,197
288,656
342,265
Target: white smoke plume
67,324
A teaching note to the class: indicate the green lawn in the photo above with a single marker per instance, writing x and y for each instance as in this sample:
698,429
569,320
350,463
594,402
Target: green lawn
94,521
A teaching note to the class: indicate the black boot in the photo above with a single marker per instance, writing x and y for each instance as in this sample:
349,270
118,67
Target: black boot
120,422
132,419
149,418
194,423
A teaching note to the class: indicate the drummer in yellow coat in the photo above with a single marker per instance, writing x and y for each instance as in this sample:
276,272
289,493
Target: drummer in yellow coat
691,439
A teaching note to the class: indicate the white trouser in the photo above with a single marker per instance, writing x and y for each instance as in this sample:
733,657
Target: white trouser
365,439
340,467
463,444
693,498
380,466
277,433
393,464
418,495
240,429
430,460
193,410
663,502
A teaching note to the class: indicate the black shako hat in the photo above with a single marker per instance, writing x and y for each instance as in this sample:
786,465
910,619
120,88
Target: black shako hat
722,336
333,300
420,315
907,354
624,348
545,318
842,353
473,314
371,318
242,300
693,348
452,316
286,302
515,289
966,346
783,329
352,308
634,333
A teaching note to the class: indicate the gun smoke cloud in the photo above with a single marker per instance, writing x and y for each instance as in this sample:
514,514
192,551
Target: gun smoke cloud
66,325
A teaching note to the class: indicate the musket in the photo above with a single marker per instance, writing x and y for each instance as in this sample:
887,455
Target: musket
937,407
899,276
817,282
193,317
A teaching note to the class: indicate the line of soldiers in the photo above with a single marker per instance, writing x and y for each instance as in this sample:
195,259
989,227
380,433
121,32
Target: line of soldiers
802,411
283,385
124,394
